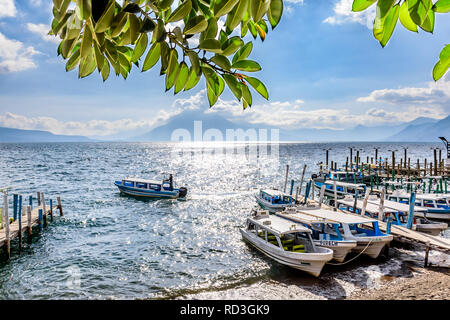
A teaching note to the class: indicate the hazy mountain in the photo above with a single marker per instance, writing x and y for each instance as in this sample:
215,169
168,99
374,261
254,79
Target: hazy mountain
186,120
19,135
424,131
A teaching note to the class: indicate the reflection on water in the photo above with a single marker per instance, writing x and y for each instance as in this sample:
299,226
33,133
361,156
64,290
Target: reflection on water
112,246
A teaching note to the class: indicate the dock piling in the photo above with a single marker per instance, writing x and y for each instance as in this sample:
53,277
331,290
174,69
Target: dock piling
29,230
39,198
286,178
427,251
322,193
60,206
44,209
6,219
40,220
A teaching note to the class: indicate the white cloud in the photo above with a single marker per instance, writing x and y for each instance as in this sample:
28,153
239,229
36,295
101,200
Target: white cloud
436,93
14,56
42,31
343,14
7,8
100,128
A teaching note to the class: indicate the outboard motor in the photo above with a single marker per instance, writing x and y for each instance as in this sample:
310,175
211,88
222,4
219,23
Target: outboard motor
182,192
171,181
314,176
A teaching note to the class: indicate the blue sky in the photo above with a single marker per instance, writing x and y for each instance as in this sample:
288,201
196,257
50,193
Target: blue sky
322,66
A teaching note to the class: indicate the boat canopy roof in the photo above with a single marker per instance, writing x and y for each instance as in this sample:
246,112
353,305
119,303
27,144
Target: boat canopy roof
273,192
278,225
345,184
339,217
371,207
421,196
303,218
143,180
397,206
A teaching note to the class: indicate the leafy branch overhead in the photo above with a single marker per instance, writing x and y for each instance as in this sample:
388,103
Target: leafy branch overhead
413,14
194,39
191,40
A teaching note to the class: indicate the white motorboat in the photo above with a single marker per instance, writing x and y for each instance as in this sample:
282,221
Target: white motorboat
286,242
274,200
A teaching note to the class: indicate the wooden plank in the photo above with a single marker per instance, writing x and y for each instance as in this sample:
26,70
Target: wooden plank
14,227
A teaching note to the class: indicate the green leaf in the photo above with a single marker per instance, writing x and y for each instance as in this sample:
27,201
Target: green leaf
246,95
193,79
118,23
87,65
195,62
106,19
238,14
234,85
443,64
85,8
442,6
221,61
86,42
223,7
261,32
360,5
389,24
246,65
105,70
160,34
384,6
132,33
172,69
165,53
140,47
258,86
405,19
211,45
99,58
148,25
73,61
258,9
152,56
195,25
244,52
232,45
275,12
418,10
180,12
163,5
211,30
428,23
182,77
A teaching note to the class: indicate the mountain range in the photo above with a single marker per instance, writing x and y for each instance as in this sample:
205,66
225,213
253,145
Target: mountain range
421,129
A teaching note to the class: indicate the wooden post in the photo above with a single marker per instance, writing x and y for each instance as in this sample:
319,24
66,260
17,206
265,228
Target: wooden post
381,205
296,194
44,210
357,159
40,217
393,161
418,167
326,158
19,211
435,162
431,168
312,189
29,230
366,197
6,218
24,211
30,200
51,210
346,165
60,206
405,157
39,198
292,187
351,159
427,251
286,178
301,180
322,193
355,201
15,202
412,202
376,154
331,167
335,196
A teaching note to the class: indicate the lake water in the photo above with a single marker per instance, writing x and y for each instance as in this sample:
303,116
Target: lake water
112,246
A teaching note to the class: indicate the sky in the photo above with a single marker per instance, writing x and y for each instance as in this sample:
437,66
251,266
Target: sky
322,66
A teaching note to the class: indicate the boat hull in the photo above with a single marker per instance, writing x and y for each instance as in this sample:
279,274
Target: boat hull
434,215
340,248
433,229
372,247
148,193
311,263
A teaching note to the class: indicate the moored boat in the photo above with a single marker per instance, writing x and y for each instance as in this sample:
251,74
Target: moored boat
364,230
324,233
436,205
285,242
274,200
151,188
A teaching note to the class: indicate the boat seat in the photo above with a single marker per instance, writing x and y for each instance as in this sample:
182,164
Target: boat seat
298,247
287,242
271,237
274,242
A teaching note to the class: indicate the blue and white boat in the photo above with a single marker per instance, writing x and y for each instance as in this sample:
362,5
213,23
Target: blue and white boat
151,188
342,188
437,205
274,200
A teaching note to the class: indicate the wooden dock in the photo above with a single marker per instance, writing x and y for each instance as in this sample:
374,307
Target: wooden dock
24,219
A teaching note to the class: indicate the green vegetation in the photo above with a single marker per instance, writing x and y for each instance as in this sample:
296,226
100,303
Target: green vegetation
104,34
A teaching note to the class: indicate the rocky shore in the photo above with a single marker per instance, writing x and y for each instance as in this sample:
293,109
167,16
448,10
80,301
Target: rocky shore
425,284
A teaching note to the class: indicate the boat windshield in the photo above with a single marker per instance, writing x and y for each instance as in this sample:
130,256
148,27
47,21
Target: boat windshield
428,203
